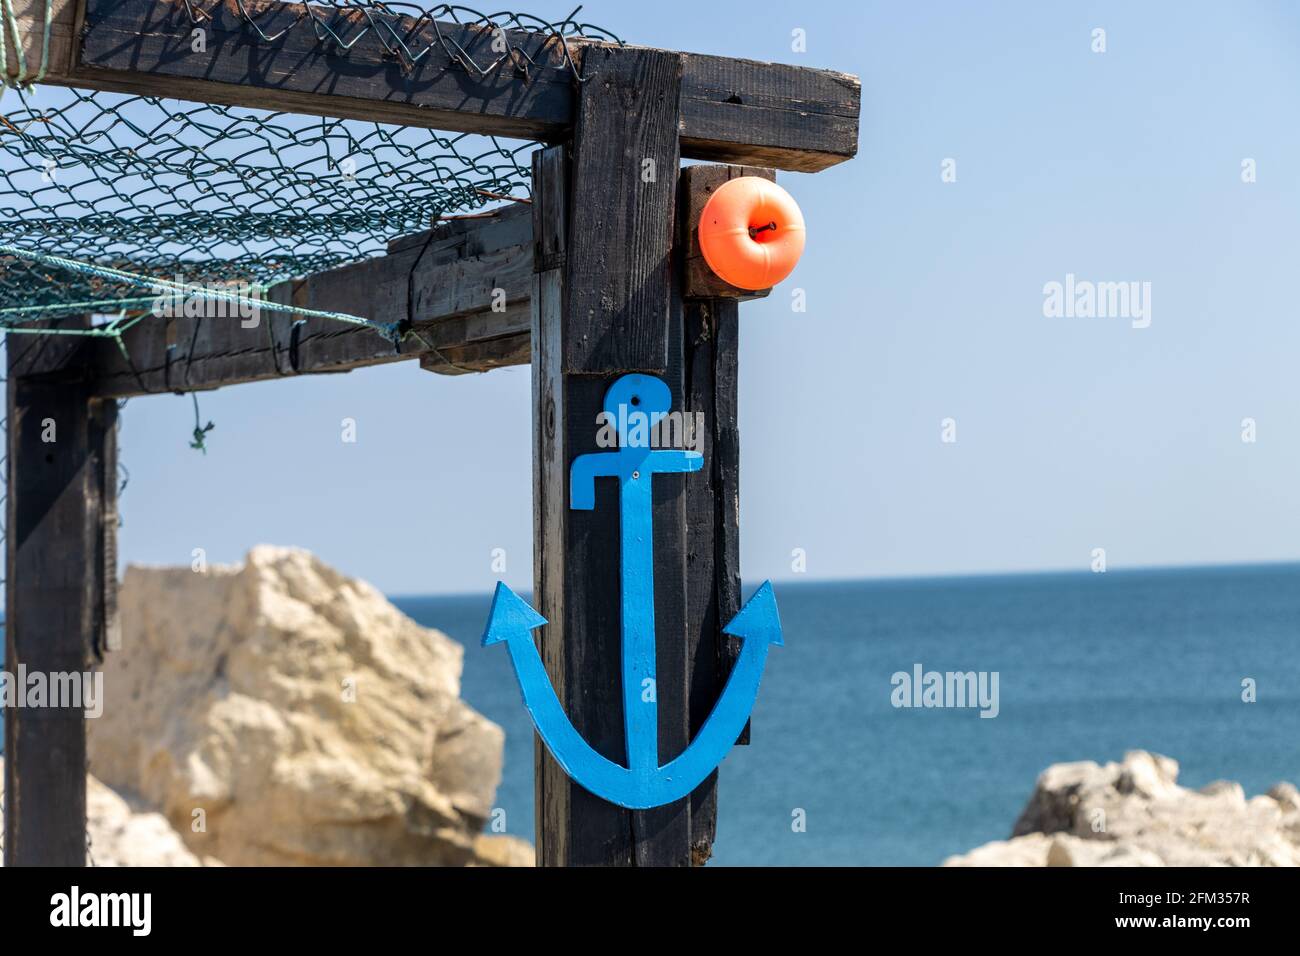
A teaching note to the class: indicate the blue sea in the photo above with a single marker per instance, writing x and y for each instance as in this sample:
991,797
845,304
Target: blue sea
1090,665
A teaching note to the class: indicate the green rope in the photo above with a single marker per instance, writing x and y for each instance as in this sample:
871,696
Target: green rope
197,442
11,21
177,289
71,308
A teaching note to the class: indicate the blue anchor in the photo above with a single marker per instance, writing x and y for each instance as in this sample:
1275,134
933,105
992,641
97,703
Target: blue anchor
634,404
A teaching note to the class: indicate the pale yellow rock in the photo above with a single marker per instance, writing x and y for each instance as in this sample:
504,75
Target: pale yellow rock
470,750
1058,852
1028,850
501,850
1286,795
1134,813
279,712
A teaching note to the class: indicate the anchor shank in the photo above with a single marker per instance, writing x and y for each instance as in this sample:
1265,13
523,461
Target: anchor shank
640,692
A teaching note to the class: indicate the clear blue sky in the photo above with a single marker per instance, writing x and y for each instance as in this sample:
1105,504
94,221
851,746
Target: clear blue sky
925,302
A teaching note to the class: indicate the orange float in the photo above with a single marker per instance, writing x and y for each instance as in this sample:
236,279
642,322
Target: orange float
751,233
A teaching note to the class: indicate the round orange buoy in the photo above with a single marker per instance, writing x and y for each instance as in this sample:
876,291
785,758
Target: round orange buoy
751,233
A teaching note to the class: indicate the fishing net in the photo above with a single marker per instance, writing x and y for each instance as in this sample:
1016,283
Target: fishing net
100,192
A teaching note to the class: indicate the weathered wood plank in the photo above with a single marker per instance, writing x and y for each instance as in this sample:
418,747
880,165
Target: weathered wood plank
552,807
698,184
618,261
733,110
703,686
479,356
713,511
725,473
578,586
662,836
576,582
61,459
103,437
712,495
138,42
463,287
747,112
577,576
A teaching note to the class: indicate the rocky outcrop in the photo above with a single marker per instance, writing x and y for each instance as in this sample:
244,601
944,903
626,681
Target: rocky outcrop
121,835
278,712
1134,813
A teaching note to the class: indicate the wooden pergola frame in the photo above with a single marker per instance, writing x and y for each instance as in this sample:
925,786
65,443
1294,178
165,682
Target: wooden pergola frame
601,277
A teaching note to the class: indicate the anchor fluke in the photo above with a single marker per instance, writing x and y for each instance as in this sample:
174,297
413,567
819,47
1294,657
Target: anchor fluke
511,617
758,619
511,622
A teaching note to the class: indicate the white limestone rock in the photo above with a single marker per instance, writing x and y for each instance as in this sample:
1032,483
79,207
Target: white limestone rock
1134,813
281,713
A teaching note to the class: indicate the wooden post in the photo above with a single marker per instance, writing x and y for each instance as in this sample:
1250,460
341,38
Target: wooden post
60,599
607,302
608,299
713,534
550,482
712,309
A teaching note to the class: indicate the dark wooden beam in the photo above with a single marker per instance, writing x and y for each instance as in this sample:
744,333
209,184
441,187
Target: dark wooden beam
59,609
479,356
733,110
618,266
146,45
463,286
768,114
446,280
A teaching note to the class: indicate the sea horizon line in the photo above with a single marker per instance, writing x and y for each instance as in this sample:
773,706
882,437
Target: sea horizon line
801,581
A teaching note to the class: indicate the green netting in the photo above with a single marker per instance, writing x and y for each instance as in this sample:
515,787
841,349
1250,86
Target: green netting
101,193
212,193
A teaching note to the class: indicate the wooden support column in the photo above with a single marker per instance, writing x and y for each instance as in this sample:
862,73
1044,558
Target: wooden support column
60,597
607,302
609,297
713,534
712,309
